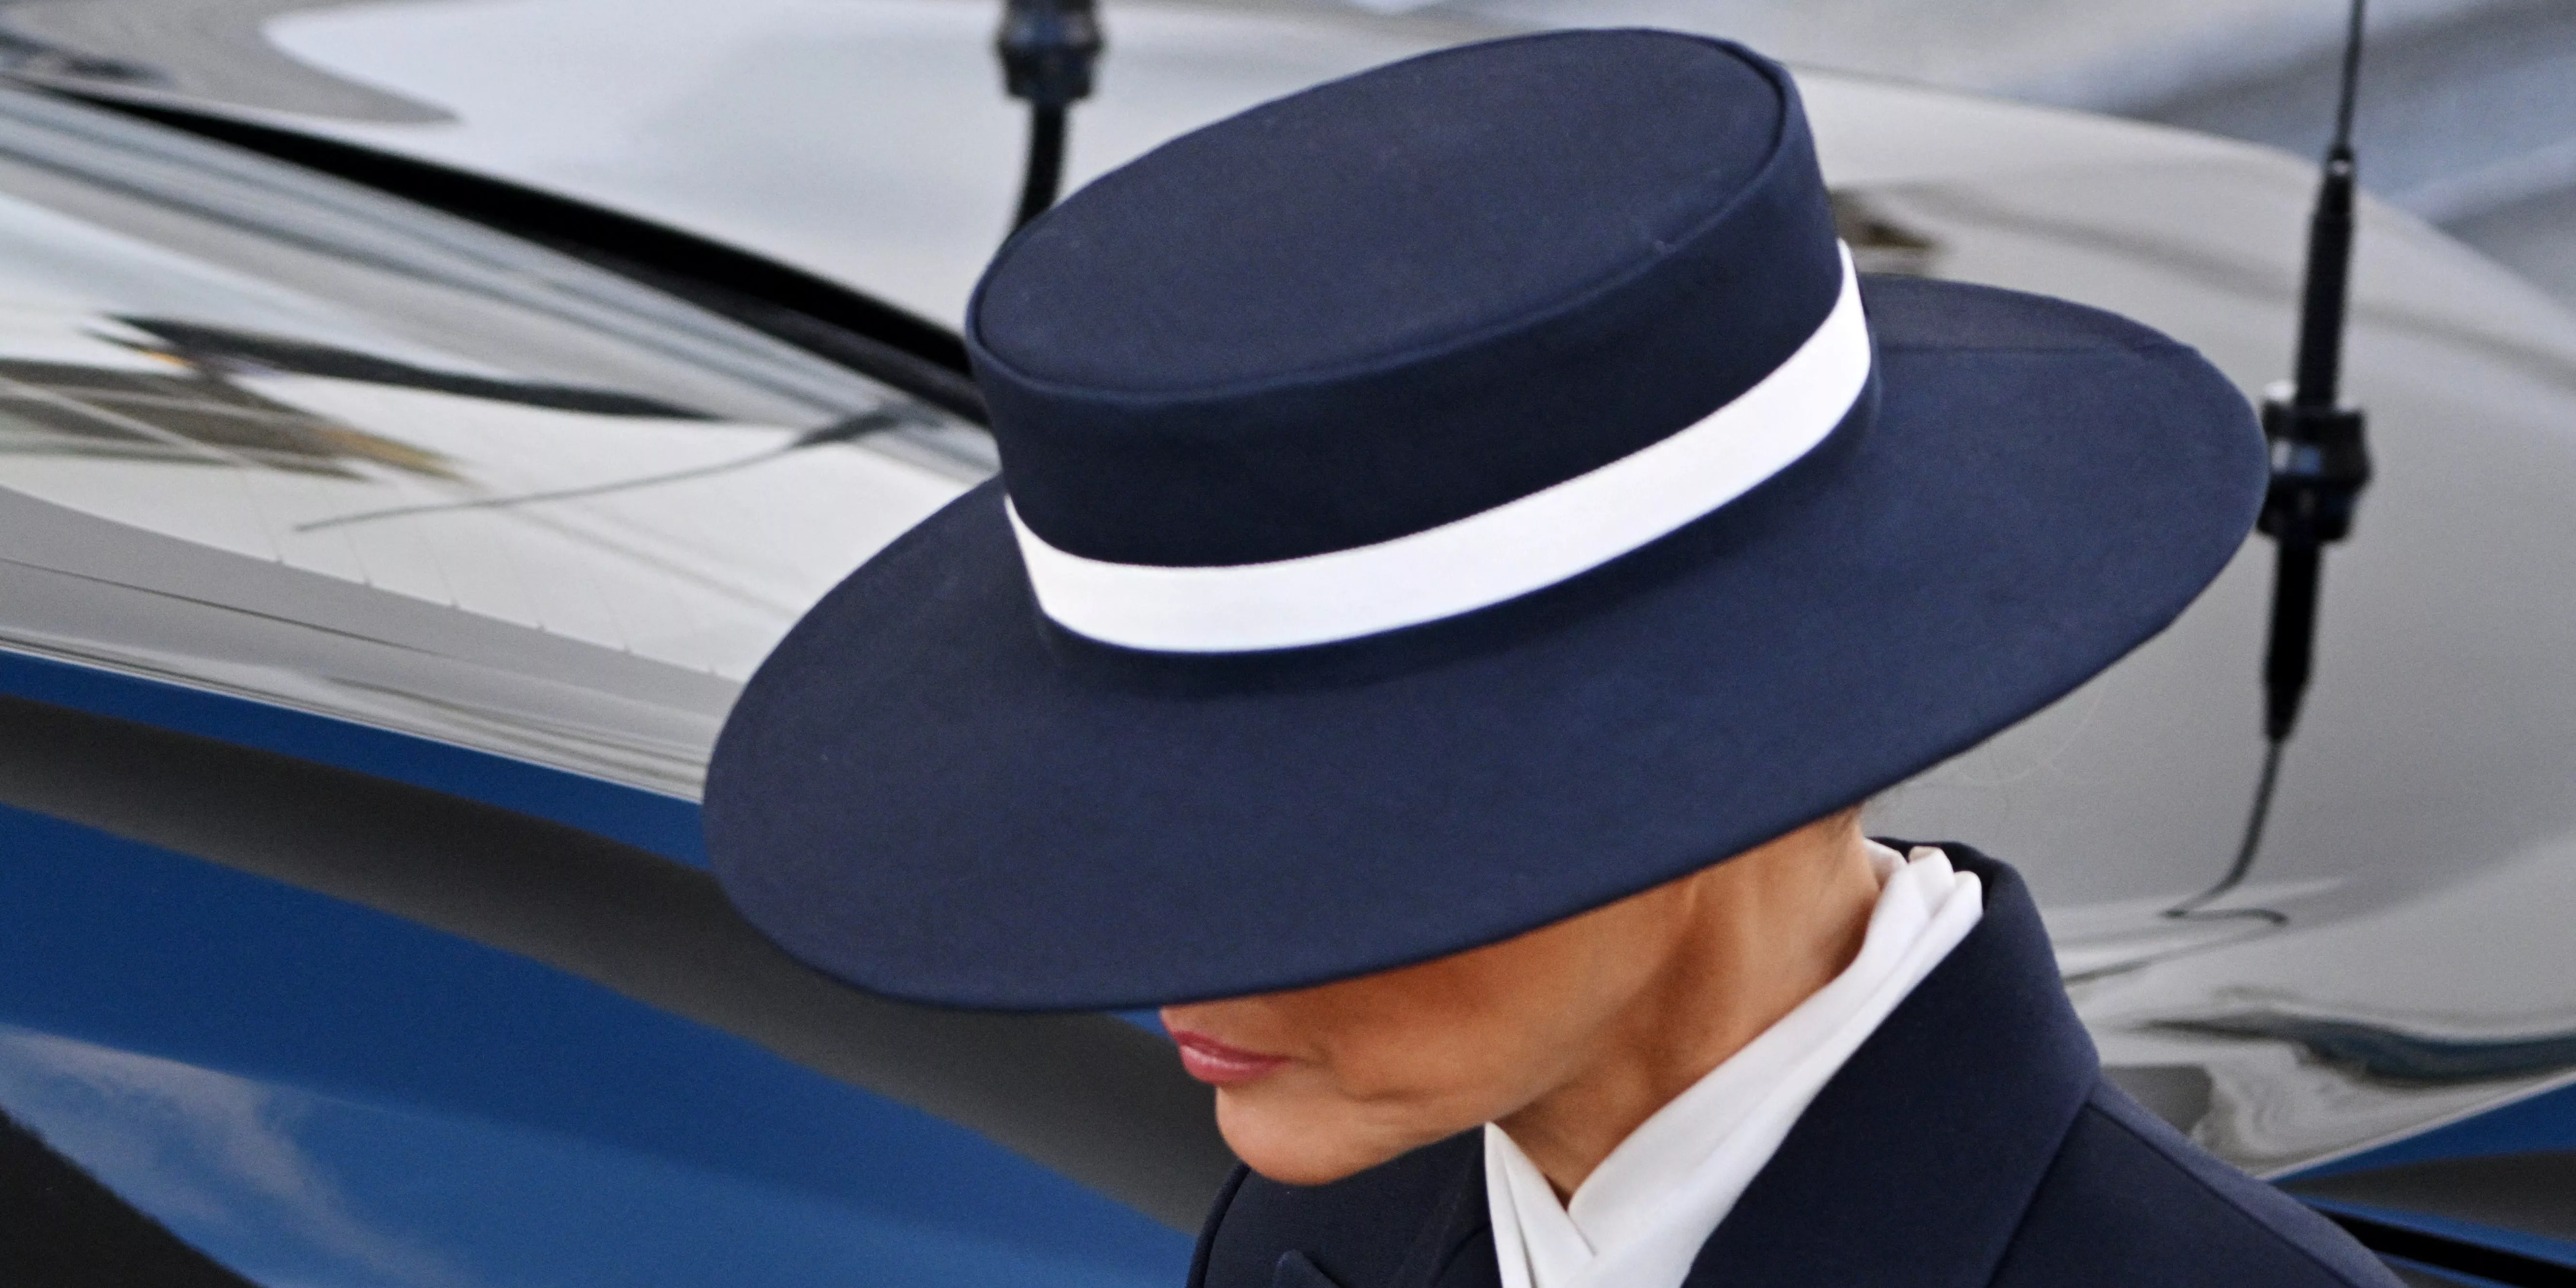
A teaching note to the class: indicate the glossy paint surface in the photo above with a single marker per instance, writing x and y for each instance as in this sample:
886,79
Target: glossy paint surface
316,1093
663,825
873,132
280,437
2396,960
295,468
2397,980
2423,836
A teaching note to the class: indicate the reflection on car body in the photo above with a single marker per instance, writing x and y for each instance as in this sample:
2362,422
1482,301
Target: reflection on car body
171,332
295,472
327,456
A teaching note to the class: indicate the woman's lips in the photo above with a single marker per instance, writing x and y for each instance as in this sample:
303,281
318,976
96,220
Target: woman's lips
1211,1061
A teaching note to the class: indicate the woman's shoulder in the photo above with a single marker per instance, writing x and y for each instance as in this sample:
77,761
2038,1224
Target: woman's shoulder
1403,1221
2129,1200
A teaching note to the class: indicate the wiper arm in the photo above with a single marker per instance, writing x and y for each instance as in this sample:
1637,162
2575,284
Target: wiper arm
2319,468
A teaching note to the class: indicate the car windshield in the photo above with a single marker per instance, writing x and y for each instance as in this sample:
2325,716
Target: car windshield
334,387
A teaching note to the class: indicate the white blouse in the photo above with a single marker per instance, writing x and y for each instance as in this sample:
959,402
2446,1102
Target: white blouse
1639,1220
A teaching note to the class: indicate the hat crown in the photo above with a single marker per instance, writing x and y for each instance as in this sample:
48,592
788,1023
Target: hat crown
1401,299
1383,216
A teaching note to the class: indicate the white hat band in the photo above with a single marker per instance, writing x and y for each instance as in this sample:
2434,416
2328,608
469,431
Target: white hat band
1524,545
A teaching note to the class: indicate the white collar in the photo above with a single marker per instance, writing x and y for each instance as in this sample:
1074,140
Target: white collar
1639,1220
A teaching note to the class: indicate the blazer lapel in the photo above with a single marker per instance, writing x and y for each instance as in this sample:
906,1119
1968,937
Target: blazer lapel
1452,1246
1456,1249
1914,1164
1297,1270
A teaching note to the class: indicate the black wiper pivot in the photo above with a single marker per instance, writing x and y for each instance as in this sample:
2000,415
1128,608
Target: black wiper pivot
1048,48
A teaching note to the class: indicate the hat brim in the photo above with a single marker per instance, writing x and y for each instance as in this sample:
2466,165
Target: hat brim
918,795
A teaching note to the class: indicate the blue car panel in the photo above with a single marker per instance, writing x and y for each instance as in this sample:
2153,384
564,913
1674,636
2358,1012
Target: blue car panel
663,825
314,1092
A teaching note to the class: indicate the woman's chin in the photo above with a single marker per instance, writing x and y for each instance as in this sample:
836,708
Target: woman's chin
1296,1148
1305,1166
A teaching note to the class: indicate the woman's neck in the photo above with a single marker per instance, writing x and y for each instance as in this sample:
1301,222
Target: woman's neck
1761,933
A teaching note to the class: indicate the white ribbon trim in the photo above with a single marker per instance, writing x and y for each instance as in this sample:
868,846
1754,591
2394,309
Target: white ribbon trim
1484,559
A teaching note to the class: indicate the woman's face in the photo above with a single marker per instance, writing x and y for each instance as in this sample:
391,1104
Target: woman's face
1319,1083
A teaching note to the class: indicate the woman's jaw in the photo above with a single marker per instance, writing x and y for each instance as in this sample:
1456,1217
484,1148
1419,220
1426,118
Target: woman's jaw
1319,1083
1311,1112
1569,1035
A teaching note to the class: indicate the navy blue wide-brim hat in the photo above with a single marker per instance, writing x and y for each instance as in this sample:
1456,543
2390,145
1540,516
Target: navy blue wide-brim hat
1435,504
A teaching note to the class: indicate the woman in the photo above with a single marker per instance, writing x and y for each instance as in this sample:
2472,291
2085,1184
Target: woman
1445,515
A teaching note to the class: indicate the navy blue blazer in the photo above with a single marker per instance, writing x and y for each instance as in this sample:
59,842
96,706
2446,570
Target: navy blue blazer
1971,1141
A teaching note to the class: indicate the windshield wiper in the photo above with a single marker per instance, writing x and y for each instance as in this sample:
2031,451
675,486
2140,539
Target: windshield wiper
2319,468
